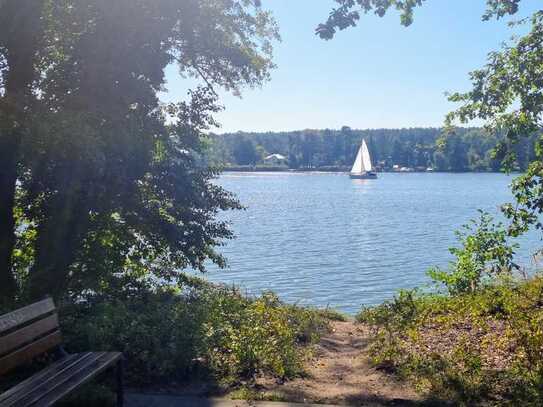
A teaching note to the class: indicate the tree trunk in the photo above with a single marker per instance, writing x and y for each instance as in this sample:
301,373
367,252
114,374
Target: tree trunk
59,240
55,252
8,179
20,34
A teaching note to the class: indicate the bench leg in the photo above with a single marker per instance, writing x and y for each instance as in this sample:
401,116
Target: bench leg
120,390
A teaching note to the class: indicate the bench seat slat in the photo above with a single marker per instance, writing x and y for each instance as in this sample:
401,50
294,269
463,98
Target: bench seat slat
44,386
28,333
54,384
22,315
83,376
39,376
28,352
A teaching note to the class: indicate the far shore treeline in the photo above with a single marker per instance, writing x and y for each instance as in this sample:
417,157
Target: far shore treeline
468,149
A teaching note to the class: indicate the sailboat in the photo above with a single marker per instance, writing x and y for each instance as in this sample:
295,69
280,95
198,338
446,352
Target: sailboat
362,168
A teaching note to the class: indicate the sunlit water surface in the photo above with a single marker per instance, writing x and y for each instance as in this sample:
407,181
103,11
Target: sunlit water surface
326,240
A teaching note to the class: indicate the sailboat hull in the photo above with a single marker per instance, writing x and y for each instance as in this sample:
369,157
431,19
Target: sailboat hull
364,175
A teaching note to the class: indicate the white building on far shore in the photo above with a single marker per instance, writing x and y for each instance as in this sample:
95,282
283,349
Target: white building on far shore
275,159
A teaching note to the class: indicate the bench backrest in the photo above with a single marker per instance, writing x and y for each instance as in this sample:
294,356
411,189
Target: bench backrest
28,332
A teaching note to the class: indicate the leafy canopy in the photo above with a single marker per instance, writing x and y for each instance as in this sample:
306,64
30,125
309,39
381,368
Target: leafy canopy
508,95
108,181
348,12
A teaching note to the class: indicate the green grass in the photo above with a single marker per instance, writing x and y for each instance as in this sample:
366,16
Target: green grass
333,315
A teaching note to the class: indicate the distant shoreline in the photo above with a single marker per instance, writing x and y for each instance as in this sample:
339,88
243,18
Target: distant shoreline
347,170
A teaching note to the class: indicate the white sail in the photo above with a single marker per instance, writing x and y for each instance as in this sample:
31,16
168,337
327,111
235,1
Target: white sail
357,166
366,159
362,163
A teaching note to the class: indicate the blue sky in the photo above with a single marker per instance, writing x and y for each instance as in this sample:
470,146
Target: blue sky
377,75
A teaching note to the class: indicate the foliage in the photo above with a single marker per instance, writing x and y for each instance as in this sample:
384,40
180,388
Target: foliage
20,29
507,95
484,253
348,13
466,150
481,340
103,179
244,152
478,347
332,314
172,334
259,337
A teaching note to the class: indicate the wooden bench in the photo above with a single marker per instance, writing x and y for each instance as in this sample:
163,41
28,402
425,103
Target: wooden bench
34,330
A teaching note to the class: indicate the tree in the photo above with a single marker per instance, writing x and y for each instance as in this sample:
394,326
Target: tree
373,150
107,186
349,11
457,151
293,151
409,147
20,38
245,152
441,163
399,153
507,94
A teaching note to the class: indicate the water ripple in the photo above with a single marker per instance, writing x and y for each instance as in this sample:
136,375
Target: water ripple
324,239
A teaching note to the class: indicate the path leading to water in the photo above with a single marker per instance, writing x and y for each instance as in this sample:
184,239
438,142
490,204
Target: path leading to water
340,373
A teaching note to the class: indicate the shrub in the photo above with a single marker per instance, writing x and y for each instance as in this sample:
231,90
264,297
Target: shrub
248,336
484,252
169,334
469,348
158,332
333,315
479,342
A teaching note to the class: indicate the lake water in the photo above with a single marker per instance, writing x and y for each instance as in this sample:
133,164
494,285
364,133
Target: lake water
326,240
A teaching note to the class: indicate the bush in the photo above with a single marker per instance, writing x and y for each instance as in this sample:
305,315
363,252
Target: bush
248,336
484,253
170,334
479,347
479,342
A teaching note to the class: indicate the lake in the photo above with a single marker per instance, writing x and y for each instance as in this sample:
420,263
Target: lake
323,239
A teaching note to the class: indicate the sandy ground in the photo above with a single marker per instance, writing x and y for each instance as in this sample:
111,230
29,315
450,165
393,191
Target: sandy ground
340,373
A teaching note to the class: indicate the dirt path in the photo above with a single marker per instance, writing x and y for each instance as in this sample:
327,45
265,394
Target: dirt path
340,373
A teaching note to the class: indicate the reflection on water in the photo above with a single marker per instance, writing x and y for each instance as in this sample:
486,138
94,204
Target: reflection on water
362,182
326,239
